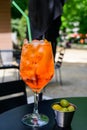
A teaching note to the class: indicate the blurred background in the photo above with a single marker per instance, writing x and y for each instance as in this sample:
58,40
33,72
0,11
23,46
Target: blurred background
73,30
72,36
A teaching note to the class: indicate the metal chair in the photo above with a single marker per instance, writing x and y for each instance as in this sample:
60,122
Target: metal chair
58,64
12,94
7,62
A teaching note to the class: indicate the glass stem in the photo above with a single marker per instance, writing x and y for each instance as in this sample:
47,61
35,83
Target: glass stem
36,97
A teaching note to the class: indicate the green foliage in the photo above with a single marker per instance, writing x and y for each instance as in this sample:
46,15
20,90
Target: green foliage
18,22
75,11
19,25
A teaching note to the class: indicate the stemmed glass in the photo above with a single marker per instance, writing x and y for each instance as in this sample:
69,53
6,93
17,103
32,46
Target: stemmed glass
36,69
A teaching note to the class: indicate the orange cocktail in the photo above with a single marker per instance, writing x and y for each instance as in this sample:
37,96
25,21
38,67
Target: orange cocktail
37,66
36,69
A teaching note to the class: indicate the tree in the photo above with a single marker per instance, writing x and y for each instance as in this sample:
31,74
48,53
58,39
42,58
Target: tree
75,11
18,21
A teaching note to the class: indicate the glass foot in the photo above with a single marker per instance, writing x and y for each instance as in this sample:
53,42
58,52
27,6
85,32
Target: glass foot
34,120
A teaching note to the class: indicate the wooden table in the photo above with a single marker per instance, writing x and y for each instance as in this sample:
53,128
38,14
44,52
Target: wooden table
11,120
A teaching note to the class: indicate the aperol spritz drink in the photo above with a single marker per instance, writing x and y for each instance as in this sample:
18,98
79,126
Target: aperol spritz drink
36,69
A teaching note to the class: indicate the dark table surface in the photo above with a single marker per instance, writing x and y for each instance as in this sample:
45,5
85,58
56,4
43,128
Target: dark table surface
11,120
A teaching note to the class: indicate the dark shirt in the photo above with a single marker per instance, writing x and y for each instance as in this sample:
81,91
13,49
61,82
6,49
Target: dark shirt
42,13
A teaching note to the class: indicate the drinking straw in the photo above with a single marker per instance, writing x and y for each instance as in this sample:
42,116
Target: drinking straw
27,19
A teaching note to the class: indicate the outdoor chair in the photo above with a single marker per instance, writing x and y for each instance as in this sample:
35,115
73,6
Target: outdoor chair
58,64
8,62
12,94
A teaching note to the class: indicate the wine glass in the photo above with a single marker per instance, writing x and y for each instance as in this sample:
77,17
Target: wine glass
36,69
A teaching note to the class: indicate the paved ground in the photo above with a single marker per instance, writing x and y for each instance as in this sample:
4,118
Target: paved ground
74,76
